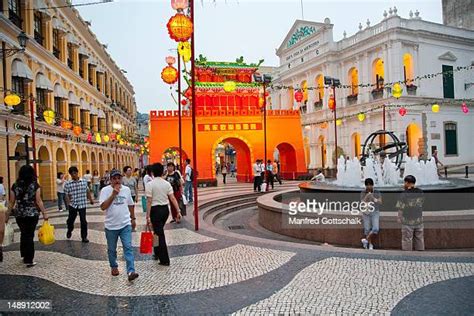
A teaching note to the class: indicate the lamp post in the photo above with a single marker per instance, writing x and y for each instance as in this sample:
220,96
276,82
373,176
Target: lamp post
264,80
333,82
117,127
7,52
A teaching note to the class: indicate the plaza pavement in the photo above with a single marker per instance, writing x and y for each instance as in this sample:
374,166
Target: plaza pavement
216,271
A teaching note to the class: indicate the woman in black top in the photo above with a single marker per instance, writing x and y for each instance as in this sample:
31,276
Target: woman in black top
26,203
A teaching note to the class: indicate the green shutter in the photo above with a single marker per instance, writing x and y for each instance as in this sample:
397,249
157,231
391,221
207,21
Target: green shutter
448,82
450,138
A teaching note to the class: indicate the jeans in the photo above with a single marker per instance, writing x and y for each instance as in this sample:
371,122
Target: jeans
257,183
125,235
95,189
158,216
371,222
72,218
188,190
413,236
27,228
61,200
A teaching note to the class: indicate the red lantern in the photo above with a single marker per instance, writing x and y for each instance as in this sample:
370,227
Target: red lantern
66,124
331,103
77,130
267,94
170,60
180,27
298,96
169,74
188,93
179,5
89,138
184,102
402,111
113,136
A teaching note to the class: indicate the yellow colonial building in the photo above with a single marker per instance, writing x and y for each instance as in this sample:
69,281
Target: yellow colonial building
64,68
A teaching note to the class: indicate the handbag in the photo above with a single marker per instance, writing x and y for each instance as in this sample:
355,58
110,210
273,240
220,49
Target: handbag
9,237
182,206
184,199
46,234
144,203
146,242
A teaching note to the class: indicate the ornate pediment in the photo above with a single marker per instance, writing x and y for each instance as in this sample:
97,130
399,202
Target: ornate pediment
300,31
448,56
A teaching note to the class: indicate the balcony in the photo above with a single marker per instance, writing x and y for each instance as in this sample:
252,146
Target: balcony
352,99
19,109
318,105
15,19
411,89
56,52
39,112
70,64
39,38
377,93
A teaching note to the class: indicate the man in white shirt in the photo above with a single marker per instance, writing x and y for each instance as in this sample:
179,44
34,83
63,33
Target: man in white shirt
257,176
188,178
116,200
319,177
88,178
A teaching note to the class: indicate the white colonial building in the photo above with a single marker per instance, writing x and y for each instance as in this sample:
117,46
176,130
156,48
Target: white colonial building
396,49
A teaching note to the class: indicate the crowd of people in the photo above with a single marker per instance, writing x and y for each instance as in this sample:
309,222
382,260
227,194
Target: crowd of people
265,173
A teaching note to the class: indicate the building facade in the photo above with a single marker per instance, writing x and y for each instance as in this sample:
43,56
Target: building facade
433,63
64,68
459,13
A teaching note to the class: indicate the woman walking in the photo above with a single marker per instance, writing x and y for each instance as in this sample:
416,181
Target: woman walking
159,193
26,203
174,178
130,182
96,183
60,181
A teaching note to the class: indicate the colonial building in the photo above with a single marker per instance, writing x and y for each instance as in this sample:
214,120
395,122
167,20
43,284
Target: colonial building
64,68
432,61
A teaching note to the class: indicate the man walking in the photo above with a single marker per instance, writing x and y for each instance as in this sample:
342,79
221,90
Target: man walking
410,215
257,175
77,192
188,183
117,202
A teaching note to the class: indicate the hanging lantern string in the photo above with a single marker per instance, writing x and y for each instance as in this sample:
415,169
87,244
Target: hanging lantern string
393,106
385,84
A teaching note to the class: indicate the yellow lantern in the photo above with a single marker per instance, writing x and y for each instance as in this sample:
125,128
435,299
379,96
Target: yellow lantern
397,90
119,137
106,138
98,139
121,142
261,102
361,116
338,122
229,86
324,125
49,116
184,50
169,74
435,108
180,27
12,100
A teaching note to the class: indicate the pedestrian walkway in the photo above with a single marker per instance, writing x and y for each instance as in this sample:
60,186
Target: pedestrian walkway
215,271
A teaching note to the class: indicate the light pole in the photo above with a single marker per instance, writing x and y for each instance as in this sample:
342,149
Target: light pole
333,82
117,127
7,52
264,80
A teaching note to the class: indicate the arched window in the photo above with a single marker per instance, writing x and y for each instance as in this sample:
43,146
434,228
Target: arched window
354,81
378,74
304,89
408,69
320,85
291,98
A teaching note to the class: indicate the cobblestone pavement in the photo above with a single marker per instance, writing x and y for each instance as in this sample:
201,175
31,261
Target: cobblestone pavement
216,271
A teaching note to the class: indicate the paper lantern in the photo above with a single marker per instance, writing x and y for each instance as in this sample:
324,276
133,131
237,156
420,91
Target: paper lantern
298,96
180,27
465,109
361,117
113,136
435,108
77,130
12,99
324,125
397,90
184,102
184,50
229,86
89,138
118,137
98,138
188,93
106,138
66,124
49,116
169,75
179,5
170,60
121,142
402,111
331,103
267,94
261,102
338,122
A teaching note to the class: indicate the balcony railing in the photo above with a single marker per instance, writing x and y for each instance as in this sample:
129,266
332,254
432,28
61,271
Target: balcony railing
377,93
411,89
352,99
19,109
318,105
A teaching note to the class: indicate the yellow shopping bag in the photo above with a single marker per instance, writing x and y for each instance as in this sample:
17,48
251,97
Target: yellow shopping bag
46,234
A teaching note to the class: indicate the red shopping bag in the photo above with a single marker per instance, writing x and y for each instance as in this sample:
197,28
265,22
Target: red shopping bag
146,242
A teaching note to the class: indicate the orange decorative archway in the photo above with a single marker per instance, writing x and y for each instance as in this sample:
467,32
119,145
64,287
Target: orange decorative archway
234,118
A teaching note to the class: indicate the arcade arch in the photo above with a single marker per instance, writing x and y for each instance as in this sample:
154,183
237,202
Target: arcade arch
242,159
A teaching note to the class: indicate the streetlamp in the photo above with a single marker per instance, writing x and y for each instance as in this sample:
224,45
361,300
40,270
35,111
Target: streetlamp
264,80
333,82
117,127
8,52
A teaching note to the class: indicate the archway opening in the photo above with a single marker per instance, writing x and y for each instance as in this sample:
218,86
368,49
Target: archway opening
61,163
235,154
378,73
95,165
356,149
287,160
73,158
84,163
45,176
101,164
354,80
171,154
20,151
408,71
414,138
322,147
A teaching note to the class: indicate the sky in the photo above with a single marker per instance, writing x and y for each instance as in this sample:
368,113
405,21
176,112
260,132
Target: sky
138,40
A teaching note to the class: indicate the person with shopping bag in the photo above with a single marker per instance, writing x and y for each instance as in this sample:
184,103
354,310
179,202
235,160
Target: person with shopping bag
174,178
26,204
159,194
116,200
